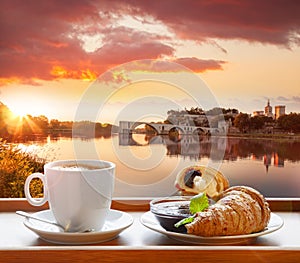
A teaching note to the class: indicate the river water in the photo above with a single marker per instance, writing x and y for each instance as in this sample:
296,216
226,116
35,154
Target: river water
147,166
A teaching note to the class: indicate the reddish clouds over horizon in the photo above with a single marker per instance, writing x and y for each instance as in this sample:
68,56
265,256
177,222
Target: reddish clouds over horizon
81,39
46,39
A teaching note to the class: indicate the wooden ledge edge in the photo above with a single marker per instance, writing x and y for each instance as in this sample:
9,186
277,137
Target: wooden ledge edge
135,205
14,204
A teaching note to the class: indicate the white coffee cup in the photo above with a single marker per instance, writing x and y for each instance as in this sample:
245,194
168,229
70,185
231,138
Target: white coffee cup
79,192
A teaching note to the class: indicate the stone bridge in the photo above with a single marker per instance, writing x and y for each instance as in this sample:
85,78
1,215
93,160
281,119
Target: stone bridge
128,127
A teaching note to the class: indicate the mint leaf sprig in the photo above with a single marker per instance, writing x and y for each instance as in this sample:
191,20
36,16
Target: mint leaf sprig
198,203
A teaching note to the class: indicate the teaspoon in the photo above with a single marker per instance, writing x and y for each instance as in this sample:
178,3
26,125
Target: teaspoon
27,215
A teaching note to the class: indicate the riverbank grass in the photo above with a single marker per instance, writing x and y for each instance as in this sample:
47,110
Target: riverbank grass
15,166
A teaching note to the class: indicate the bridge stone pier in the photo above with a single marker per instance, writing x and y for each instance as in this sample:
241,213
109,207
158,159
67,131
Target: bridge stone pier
128,127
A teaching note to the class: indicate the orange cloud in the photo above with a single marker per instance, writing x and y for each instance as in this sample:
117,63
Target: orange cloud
11,80
60,72
19,80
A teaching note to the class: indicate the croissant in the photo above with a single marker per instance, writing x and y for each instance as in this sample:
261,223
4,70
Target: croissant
240,210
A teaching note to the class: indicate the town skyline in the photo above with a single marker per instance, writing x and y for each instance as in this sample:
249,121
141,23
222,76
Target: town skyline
260,112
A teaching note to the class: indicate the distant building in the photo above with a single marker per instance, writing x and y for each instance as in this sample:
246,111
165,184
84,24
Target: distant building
268,110
258,113
279,111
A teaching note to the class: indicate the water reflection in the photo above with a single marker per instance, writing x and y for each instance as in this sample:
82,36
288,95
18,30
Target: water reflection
147,165
269,152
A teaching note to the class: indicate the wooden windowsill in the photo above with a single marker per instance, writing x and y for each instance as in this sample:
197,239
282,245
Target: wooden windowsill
137,243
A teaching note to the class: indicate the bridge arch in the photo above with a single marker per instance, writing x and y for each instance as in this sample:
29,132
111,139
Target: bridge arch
163,128
200,131
175,133
136,124
175,127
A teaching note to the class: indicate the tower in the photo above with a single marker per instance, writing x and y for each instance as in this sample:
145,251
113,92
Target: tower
268,110
279,111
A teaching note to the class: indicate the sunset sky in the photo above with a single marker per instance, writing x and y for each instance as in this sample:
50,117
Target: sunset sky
51,52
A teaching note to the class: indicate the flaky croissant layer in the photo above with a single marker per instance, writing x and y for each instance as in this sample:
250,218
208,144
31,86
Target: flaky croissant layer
240,210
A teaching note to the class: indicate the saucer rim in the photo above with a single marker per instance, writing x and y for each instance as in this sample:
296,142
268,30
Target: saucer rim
70,238
148,220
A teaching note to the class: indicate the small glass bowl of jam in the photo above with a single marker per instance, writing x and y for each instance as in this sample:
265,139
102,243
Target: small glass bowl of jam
170,210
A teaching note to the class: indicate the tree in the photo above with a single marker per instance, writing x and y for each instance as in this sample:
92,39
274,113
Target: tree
290,122
54,124
42,122
215,111
242,122
230,111
7,120
257,122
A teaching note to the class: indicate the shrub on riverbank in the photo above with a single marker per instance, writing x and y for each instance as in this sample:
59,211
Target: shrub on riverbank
15,166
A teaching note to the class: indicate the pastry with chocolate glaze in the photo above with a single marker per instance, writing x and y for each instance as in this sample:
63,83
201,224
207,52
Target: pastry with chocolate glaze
199,179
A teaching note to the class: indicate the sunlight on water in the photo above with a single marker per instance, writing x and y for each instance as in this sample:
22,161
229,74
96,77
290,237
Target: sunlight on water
150,170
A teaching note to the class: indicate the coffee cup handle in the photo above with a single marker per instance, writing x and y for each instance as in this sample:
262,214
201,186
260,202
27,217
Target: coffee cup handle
30,199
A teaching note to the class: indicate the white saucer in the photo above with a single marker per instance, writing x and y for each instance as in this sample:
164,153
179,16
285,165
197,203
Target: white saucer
116,222
149,220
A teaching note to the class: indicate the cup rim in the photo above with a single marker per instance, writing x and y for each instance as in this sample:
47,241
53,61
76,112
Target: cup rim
111,165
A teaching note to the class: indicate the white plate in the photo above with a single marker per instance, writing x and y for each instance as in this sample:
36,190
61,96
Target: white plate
149,220
116,222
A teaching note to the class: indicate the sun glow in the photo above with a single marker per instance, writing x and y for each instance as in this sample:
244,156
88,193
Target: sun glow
19,111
